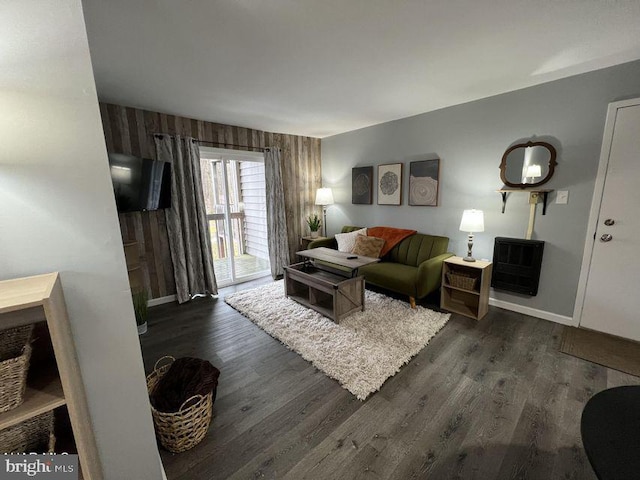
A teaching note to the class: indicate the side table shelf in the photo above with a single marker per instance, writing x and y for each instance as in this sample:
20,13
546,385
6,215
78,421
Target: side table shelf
465,287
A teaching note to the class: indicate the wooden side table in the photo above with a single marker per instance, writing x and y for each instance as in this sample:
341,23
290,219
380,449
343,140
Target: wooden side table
305,241
465,287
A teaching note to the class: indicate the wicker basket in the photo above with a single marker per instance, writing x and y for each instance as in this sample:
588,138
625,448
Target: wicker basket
462,280
15,353
184,429
13,340
32,435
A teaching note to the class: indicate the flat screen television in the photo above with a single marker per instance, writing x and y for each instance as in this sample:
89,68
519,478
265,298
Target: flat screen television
140,183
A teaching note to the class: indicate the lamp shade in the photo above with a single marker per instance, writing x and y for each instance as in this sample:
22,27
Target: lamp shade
534,171
324,196
472,221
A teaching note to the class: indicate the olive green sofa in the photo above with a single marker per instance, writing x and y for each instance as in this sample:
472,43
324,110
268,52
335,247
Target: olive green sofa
413,267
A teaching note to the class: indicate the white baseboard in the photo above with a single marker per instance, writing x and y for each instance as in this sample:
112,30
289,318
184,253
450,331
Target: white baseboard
159,301
533,312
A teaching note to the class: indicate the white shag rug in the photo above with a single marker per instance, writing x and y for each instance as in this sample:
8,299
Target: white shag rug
362,351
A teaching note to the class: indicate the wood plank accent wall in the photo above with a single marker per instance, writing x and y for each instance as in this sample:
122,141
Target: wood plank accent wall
130,131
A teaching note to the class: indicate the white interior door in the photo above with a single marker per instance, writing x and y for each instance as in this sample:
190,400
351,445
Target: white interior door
612,295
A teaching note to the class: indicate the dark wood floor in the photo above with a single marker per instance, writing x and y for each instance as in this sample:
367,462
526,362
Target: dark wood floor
488,400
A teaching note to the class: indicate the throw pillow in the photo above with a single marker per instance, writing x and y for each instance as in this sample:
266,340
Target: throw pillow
368,246
346,241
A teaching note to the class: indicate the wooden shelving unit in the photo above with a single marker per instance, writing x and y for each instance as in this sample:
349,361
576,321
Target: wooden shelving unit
54,380
471,302
39,398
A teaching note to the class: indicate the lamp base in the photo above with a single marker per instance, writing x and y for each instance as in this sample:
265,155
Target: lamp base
324,219
469,258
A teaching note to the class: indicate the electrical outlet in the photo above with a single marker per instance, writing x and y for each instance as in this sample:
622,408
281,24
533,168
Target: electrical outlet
562,197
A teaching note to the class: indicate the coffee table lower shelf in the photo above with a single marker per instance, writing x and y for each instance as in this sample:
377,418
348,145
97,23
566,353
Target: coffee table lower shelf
329,294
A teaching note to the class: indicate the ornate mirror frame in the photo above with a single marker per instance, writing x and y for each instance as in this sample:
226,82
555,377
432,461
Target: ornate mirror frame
552,164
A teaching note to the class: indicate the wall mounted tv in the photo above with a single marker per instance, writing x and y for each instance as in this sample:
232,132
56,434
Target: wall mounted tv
140,183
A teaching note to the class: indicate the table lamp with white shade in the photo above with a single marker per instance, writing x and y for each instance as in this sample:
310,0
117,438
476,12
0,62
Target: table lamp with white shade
324,197
472,222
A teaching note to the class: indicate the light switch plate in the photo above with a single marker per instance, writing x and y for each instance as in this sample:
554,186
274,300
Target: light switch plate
562,196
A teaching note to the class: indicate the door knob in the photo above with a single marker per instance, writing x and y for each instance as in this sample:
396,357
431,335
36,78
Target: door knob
606,237
609,221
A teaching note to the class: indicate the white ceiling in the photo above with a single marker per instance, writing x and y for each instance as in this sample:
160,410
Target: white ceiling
322,67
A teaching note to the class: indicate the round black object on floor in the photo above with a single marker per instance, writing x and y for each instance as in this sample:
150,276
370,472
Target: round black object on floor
610,428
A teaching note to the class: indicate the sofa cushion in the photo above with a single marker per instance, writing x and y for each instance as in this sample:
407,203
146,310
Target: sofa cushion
368,246
392,276
346,241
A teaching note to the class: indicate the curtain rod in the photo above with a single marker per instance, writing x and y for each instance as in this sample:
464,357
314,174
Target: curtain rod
217,143
233,145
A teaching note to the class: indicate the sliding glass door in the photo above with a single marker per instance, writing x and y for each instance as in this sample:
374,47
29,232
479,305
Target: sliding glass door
234,192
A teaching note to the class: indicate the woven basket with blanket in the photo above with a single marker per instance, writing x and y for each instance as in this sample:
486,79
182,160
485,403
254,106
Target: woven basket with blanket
182,393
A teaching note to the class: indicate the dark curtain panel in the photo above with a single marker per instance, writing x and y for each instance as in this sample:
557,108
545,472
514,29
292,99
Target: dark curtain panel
276,217
187,224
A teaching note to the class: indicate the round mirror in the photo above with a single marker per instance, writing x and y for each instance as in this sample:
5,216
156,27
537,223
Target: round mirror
528,164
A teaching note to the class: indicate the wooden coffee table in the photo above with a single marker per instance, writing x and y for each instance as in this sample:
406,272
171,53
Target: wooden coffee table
330,259
327,282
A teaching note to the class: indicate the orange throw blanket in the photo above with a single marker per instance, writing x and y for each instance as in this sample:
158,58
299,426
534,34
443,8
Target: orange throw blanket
392,236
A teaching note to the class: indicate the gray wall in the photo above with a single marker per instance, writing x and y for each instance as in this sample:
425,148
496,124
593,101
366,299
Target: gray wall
470,140
57,213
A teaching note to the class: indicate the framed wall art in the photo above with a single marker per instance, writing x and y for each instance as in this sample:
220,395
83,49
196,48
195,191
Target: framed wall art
390,184
362,185
424,178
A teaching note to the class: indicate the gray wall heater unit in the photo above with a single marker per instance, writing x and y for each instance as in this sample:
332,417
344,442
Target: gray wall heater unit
516,265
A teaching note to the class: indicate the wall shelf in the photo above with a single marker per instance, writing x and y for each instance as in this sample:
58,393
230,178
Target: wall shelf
534,197
534,194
